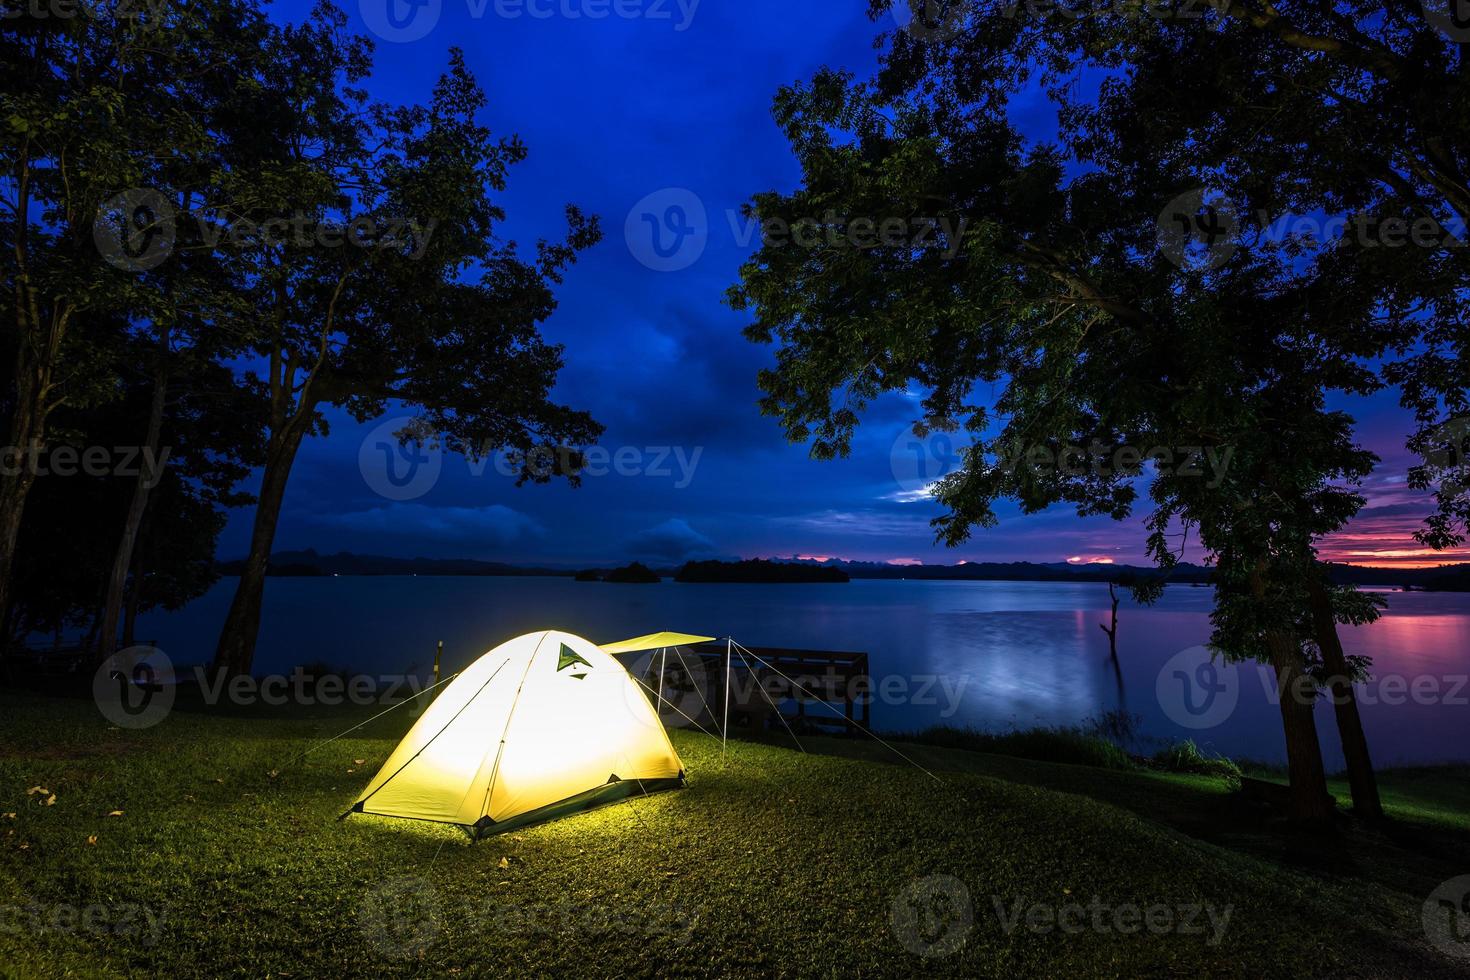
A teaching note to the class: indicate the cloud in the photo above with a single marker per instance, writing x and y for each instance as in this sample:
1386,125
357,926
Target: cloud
924,494
495,524
864,523
673,540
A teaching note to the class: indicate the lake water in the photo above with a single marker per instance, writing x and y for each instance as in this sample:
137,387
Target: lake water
991,655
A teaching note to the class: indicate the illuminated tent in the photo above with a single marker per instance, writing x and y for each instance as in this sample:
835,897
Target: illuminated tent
543,725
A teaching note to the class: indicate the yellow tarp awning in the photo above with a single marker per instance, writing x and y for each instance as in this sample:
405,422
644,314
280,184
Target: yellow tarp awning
655,641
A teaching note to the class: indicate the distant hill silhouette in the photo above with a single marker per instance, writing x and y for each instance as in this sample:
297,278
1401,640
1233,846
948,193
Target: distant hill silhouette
758,570
308,562
1444,578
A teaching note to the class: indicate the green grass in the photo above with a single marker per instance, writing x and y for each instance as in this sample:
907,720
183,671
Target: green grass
1186,757
1043,744
771,863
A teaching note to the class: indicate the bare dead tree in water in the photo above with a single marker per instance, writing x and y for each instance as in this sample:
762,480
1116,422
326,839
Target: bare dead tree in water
1111,628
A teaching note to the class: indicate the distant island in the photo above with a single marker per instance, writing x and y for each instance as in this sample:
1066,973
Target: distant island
634,574
1444,578
758,570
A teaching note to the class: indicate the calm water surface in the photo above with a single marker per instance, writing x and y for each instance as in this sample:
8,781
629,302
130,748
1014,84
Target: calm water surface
992,655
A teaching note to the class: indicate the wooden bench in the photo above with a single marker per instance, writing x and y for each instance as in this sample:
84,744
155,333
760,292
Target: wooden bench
1275,795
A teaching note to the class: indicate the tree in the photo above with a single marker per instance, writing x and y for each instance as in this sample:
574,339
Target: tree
1110,628
60,574
1053,286
378,277
90,103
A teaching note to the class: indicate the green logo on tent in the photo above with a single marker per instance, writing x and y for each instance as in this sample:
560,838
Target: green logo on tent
568,658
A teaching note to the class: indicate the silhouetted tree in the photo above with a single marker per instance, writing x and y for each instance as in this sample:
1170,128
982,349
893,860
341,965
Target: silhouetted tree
400,291
1050,281
91,103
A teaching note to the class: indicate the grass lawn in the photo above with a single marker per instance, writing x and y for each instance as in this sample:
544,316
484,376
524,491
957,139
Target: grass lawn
227,859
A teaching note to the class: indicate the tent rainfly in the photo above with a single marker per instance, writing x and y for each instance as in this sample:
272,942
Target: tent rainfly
543,725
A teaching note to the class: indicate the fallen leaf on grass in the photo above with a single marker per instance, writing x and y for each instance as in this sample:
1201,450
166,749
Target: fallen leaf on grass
273,773
36,789
92,839
9,816
115,813
505,862
49,801
358,762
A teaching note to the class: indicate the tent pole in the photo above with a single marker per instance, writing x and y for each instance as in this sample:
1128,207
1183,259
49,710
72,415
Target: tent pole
725,726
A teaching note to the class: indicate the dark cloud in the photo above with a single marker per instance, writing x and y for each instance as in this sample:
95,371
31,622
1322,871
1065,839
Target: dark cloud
468,527
672,541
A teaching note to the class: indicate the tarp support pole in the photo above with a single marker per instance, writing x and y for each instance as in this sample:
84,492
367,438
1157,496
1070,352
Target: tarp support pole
725,725
663,655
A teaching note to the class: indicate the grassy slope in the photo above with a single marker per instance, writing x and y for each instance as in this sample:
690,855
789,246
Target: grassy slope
771,862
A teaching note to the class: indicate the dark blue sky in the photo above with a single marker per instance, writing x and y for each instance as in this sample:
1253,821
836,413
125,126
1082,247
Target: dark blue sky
650,106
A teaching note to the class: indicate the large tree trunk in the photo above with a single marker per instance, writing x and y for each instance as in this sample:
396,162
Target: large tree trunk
13,492
122,559
236,650
1311,804
17,473
136,580
1364,783
131,603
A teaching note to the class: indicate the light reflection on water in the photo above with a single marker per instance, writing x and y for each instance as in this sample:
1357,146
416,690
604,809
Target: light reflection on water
1019,653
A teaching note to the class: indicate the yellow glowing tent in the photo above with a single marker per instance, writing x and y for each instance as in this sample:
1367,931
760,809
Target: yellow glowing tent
545,724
